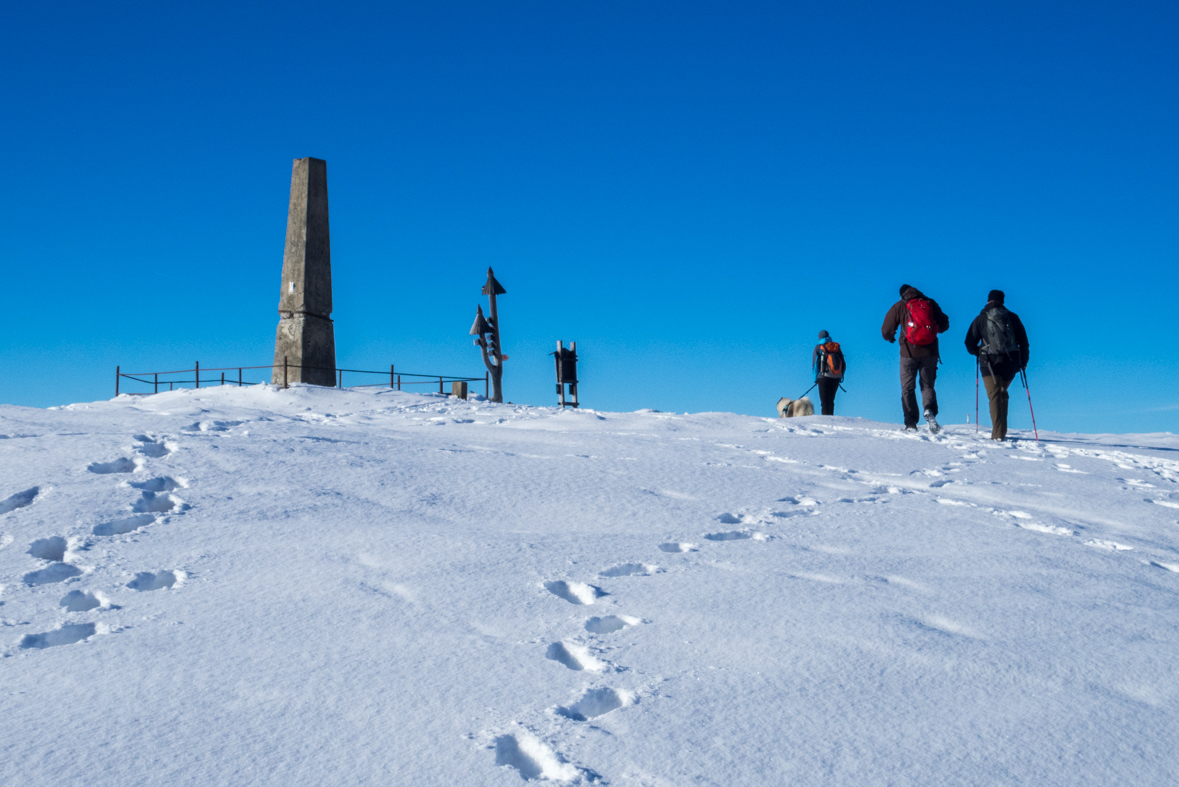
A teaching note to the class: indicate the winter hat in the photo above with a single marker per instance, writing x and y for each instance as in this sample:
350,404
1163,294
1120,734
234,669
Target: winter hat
995,296
903,288
824,335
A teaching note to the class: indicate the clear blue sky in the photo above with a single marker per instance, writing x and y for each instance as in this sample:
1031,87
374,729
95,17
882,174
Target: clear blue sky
689,190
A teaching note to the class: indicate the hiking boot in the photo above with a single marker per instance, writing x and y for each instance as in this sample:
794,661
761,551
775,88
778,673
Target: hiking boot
931,420
910,428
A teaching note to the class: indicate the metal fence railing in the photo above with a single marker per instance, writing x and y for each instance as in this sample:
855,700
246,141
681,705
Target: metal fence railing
395,378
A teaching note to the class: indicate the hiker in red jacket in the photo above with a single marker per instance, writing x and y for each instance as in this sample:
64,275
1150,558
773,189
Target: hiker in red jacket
920,320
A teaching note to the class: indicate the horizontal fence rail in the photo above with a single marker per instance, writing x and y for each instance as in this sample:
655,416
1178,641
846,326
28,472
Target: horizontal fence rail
395,378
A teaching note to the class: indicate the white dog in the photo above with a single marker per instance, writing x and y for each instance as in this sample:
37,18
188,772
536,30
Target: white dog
791,408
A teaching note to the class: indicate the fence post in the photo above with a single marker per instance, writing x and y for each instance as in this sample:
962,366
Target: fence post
198,374
487,385
284,372
223,378
398,382
157,383
391,377
118,374
239,378
440,390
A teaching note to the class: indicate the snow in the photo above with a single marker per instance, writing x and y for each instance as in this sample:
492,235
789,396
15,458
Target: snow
357,587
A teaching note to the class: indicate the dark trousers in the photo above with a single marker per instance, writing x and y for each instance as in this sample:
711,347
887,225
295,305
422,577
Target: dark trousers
997,377
911,368
827,389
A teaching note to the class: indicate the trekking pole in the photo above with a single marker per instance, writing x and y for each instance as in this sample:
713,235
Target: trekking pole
976,364
808,390
1024,375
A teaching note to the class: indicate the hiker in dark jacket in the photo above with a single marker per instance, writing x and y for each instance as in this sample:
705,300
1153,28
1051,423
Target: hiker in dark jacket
998,338
829,365
919,351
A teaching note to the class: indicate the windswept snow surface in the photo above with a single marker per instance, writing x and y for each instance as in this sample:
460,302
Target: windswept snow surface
325,587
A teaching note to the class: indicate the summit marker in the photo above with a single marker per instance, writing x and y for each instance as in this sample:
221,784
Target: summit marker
305,343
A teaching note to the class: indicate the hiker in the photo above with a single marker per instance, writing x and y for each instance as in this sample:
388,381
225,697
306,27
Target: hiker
920,320
997,337
829,365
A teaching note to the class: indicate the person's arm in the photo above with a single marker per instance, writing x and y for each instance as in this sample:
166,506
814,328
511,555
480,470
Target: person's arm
943,322
892,321
973,337
815,361
1021,337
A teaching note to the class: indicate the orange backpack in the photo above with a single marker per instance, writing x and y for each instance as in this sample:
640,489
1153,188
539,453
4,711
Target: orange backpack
831,361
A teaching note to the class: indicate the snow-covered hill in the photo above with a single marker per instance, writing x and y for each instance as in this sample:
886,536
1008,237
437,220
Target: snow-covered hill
324,587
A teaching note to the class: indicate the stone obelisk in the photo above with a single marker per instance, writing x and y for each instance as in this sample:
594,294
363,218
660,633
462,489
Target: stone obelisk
305,337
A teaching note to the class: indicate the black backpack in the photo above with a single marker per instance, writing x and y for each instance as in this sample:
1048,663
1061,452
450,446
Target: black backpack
998,334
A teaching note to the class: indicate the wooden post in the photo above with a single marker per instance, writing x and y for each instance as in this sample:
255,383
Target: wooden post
223,378
560,381
239,377
573,386
198,374
390,376
398,382
118,374
157,383
440,389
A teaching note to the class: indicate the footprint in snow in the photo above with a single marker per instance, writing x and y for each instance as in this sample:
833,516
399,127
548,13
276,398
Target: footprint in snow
608,624
532,758
161,484
737,535
122,465
52,549
1164,503
945,501
598,702
68,634
631,570
1112,546
152,448
575,657
1050,529
160,580
212,426
84,601
574,592
19,500
677,546
157,503
55,572
127,524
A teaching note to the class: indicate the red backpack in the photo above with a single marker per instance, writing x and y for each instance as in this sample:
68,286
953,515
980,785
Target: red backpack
921,328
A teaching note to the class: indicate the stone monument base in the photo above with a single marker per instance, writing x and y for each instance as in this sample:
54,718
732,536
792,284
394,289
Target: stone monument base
305,340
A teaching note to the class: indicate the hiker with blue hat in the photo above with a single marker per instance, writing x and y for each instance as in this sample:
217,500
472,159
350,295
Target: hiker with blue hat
830,366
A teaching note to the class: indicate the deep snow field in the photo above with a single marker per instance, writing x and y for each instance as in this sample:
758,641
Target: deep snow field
368,587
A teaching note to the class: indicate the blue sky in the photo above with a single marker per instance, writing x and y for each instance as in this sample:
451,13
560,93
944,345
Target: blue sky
691,191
